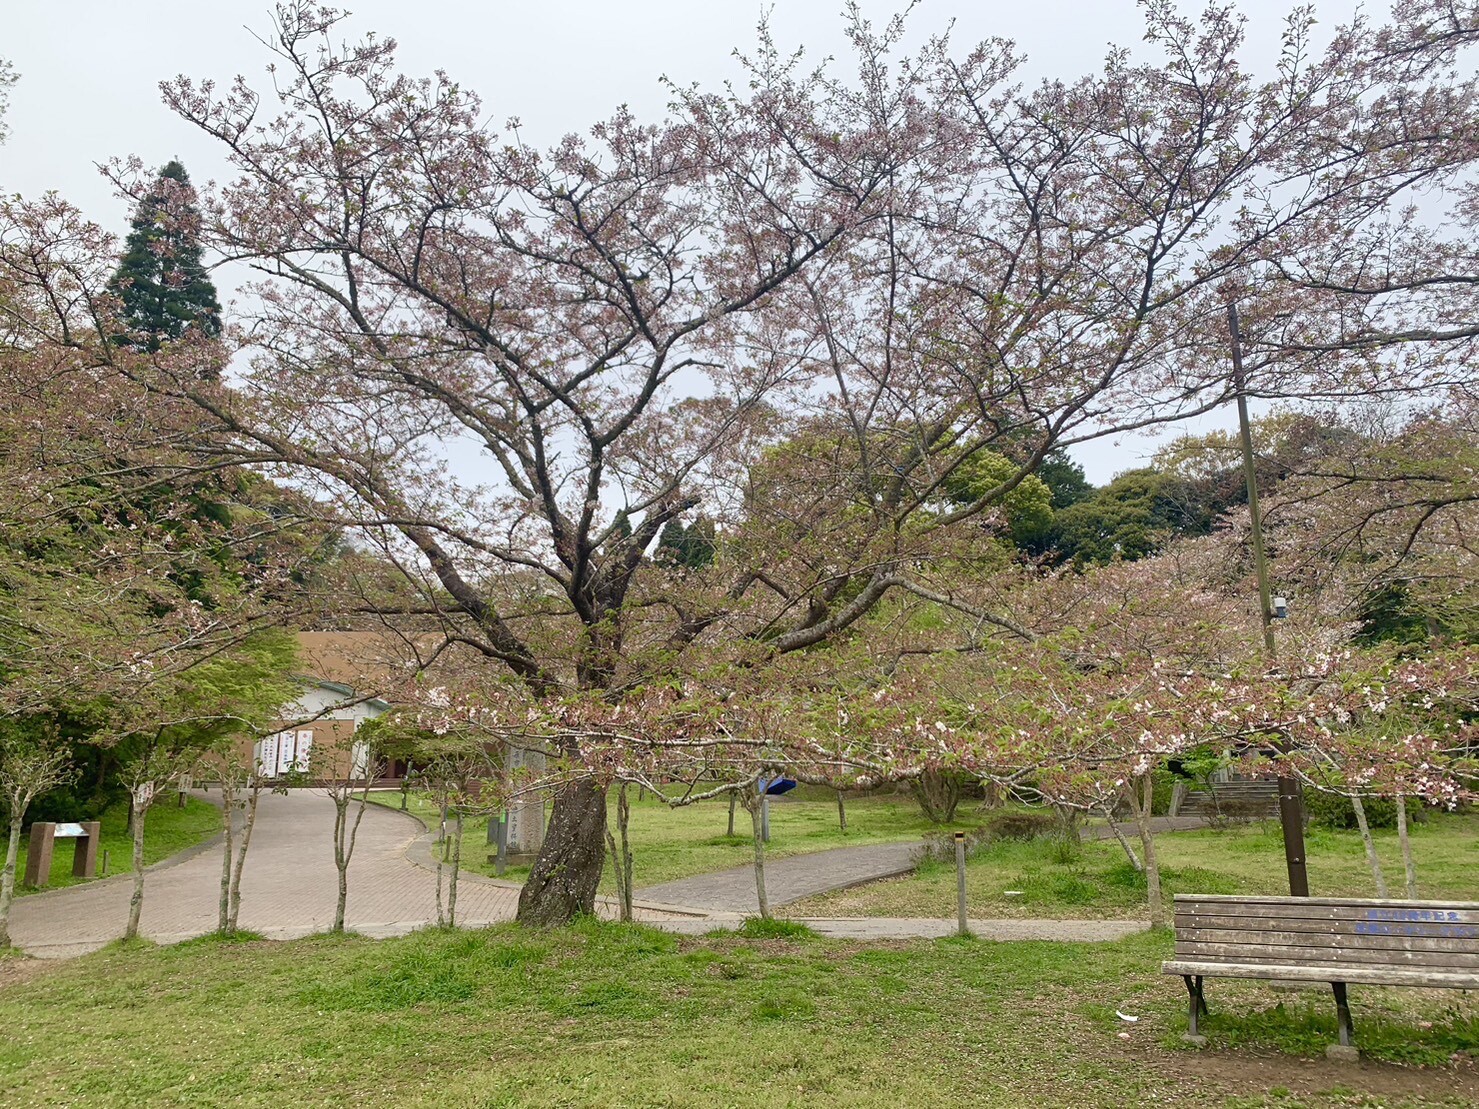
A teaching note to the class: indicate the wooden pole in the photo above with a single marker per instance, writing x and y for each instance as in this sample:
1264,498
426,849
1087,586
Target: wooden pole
1291,795
960,912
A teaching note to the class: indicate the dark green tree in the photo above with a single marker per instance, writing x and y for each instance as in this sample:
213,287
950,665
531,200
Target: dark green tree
1133,516
1064,478
161,280
691,547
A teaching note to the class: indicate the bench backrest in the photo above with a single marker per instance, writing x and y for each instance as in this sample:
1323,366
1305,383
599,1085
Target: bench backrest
1329,931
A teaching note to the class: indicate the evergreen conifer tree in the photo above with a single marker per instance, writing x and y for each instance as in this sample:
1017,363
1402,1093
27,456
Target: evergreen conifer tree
161,280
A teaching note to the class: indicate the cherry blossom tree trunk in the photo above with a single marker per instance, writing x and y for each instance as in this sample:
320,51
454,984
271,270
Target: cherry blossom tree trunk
1405,841
441,872
1119,834
345,834
841,813
619,848
138,807
563,883
938,794
241,854
1147,846
7,876
228,854
754,806
1370,845
456,869
733,800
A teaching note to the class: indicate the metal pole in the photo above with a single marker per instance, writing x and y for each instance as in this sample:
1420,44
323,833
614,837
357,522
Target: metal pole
960,883
1291,794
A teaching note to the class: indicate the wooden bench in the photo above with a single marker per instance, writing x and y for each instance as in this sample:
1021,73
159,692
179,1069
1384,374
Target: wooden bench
1340,940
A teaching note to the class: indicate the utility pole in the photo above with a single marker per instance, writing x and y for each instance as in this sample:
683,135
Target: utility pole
1291,794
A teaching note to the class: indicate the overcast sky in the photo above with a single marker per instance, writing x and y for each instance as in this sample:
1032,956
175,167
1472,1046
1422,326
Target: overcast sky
90,69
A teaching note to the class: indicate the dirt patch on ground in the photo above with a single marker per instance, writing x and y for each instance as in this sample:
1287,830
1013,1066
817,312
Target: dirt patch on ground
15,969
1239,1073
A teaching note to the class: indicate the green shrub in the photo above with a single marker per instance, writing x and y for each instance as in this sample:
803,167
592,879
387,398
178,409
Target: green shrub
1022,825
939,847
1335,811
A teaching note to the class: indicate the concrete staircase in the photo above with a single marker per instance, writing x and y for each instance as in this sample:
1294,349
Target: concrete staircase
1237,799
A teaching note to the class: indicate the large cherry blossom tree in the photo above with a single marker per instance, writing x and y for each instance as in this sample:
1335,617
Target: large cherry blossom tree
805,307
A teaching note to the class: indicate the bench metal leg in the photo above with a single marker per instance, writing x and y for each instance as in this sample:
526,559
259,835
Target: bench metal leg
1196,1004
1342,1014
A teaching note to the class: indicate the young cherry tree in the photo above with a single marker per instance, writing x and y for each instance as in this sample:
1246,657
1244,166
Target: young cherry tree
29,766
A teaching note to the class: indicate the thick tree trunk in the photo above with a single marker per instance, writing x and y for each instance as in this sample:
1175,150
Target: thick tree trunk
1370,845
1147,846
563,883
7,876
136,900
241,854
1405,842
760,895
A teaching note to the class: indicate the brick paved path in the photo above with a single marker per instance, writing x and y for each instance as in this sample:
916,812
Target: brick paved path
786,880
929,928
287,890
289,885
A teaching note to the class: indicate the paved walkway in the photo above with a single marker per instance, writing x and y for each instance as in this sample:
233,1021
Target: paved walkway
929,928
1158,824
289,885
786,880
287,890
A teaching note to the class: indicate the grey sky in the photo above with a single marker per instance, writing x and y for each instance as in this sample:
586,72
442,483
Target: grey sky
90,70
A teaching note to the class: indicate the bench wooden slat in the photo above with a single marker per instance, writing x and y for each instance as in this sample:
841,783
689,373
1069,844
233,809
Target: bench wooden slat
1451,914
1330,926
1354,975
1315,942
1237,899
1306,956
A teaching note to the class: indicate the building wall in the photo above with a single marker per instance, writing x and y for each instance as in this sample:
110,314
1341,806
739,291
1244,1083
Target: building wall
333,753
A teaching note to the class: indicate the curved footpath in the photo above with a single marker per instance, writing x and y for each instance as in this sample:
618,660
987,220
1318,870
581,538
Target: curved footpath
289,884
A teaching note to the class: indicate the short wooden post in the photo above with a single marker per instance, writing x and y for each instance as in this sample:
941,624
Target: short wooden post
38,854
960,883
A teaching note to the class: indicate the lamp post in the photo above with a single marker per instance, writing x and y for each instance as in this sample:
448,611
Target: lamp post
1291,795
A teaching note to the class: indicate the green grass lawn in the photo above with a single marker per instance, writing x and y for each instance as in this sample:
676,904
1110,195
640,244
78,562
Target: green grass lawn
1099,881
167,829
670,843
611,1015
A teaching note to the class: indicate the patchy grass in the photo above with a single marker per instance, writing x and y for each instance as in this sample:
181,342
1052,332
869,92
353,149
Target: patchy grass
670,843
1099,881
603,1014
168,829
758,928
